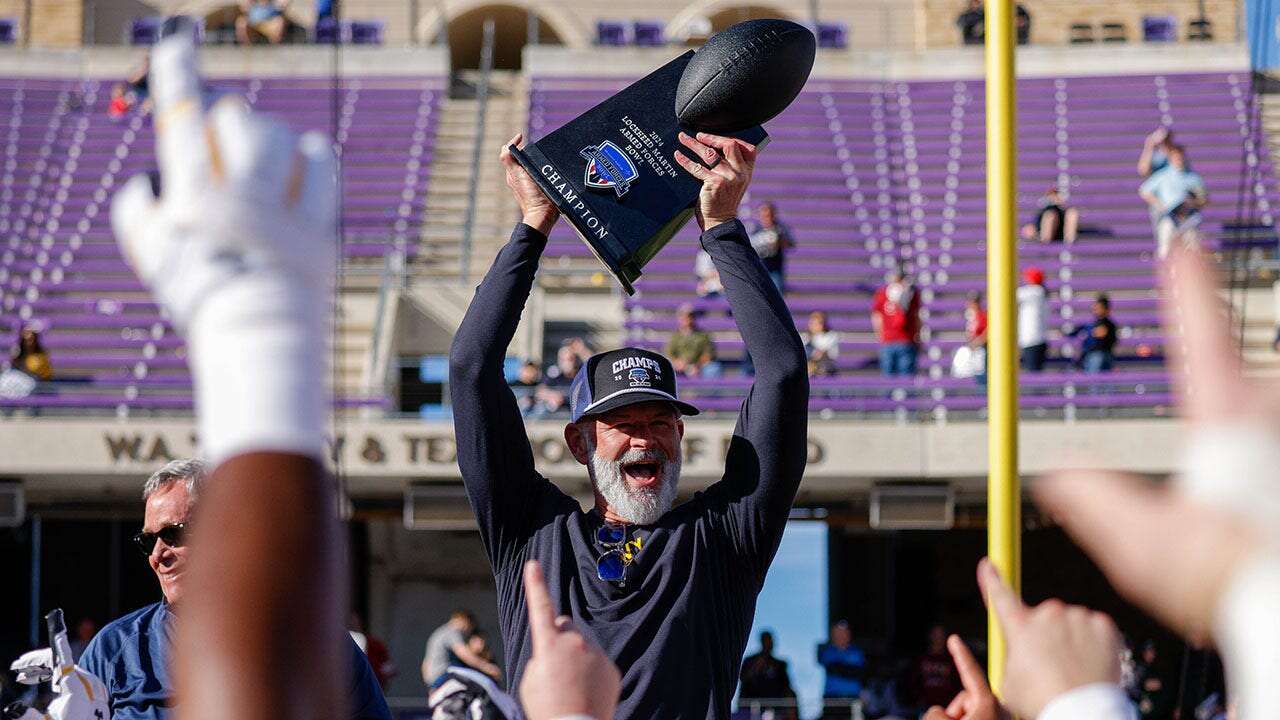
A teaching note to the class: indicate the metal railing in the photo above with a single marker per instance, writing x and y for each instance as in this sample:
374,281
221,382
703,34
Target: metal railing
789,709
394,279
482,102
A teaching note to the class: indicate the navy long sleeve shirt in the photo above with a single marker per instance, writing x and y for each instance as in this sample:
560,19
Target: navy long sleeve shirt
678,627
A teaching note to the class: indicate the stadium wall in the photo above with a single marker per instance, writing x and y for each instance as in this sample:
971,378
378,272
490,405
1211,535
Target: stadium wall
62,460
873,24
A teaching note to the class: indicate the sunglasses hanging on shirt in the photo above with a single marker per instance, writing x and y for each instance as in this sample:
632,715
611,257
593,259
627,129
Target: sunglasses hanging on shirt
619,553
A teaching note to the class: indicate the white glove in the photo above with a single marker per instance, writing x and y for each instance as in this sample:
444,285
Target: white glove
34,667
240,248
79,694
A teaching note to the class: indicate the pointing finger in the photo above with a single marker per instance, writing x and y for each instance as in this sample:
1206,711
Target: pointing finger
971,675
1196,321
179,115
999,596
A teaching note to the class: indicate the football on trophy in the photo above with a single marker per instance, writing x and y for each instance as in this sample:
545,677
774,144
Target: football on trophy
745,75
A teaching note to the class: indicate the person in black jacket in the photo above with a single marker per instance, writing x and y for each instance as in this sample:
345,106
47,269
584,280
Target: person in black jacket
667,591
765,677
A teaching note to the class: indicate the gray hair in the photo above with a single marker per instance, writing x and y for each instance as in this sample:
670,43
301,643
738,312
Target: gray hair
191,471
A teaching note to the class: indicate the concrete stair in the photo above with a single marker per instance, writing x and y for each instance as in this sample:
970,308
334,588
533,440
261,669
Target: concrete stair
440,247
356,313
1257,306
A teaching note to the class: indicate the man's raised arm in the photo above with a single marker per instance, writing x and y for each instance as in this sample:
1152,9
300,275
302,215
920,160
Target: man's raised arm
766,457
493,448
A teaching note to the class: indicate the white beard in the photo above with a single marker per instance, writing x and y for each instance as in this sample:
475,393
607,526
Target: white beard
640,506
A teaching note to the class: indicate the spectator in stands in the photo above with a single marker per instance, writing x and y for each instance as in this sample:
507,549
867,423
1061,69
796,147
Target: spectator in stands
580,348
691,351
478,644
324,10
765,677
1055,222
772,240
553,395
525,387
133,654
708,276
975,321
1155,151
262,20
843,662
374,649
895,315
30,356
970,359
1175,195
932,678
85,630
821,344
120,102
448,645
1097,350
972,23
133,93
1033,320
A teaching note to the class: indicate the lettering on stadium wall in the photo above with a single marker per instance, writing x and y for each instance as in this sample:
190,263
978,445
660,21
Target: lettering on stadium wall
391,452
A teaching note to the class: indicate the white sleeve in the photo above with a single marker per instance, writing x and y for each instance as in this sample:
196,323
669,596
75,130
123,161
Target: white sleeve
1097,701
1247,628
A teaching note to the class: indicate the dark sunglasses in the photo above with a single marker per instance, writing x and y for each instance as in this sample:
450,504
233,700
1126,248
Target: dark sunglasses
173,535
619,554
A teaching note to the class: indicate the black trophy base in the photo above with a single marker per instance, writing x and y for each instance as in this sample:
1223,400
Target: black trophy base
612,172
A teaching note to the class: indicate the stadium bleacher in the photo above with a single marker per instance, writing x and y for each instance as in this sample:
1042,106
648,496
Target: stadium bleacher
867,174
60,268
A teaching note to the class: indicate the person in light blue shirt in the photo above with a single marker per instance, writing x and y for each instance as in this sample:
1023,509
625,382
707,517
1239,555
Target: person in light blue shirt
1175,195
132,655
844,662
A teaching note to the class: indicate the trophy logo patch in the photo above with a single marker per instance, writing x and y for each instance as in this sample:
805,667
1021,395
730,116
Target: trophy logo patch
639,377
608,168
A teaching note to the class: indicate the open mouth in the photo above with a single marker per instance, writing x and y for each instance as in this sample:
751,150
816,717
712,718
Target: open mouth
646,472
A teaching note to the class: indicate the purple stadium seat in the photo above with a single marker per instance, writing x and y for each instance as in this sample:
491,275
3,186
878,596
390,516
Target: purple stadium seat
366,32
649,33
1159,28
856,213
833,35
144,30
611,32
330,31
68,278
8,31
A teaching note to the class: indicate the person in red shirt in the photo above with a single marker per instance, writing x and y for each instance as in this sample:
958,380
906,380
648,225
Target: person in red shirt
932,678
895,315
975,321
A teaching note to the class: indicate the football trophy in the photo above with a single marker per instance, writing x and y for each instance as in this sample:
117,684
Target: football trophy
611,170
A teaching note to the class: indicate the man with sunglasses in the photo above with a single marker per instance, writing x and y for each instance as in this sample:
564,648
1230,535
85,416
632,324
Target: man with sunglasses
667,592
132,654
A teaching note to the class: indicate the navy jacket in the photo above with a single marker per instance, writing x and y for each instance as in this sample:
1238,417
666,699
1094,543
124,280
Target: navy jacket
131,655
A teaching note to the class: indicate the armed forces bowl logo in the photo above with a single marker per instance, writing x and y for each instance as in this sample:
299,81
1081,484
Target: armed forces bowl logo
639,377
608,168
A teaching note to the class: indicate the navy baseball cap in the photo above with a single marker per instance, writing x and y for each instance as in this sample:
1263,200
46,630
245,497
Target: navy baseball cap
616,378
